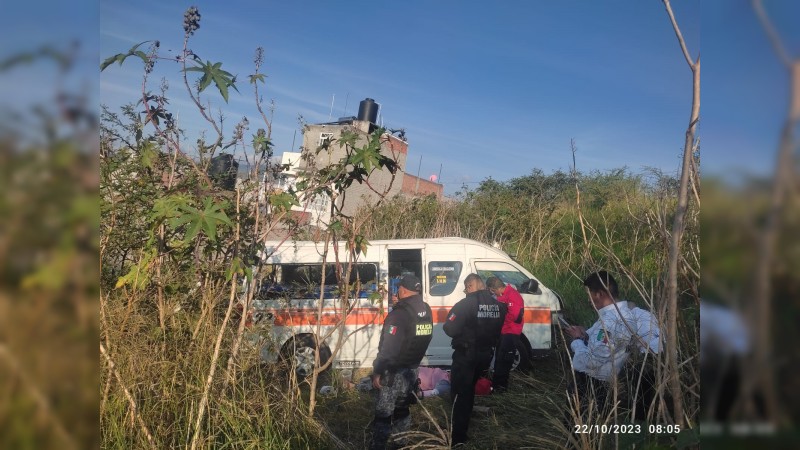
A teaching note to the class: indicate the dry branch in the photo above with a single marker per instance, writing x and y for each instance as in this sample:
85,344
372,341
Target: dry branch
131,401
760,368
678,226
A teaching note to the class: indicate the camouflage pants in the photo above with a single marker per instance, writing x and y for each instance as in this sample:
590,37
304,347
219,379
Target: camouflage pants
391,406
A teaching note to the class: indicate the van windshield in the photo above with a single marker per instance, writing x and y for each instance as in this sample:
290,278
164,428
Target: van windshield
507,273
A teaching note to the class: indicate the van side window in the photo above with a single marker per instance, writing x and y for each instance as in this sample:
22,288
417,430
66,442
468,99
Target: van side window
507,273
443,277
302,281
367,274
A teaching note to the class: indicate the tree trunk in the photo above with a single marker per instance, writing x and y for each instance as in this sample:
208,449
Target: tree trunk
761,368
678,226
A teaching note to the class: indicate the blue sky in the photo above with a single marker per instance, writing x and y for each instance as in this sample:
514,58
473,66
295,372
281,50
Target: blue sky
485,89
29,26
745,87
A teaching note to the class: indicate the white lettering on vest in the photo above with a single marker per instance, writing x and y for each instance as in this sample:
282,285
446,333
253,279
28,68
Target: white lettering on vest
488,311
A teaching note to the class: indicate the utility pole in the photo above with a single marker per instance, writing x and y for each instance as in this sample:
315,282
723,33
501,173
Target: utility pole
416,189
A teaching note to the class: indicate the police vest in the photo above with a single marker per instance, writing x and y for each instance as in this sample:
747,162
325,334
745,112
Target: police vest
419,335
489,317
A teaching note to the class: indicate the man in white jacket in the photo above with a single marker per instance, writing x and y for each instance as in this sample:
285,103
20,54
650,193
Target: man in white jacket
601,351
641,374
646,328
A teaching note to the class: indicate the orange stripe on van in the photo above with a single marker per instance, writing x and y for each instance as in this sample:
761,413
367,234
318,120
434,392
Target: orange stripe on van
537,315
361,316
368,316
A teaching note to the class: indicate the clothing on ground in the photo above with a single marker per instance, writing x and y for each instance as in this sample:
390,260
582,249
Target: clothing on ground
433,378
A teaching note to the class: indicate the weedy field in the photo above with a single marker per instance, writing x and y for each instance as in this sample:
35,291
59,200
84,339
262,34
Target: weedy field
533,413
528,415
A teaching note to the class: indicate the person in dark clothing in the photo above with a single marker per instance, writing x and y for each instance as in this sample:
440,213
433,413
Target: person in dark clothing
406,333
474,325
510,334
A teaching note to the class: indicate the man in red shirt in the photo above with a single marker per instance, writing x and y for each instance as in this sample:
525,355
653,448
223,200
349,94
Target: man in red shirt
512,328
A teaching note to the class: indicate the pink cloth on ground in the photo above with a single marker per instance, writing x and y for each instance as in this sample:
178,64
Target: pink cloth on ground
429,376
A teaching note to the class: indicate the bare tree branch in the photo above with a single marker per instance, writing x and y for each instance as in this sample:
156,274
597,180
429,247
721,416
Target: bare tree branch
678,34
678,227
780,50
759,373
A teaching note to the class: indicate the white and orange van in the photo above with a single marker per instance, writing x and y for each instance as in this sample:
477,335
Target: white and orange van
287,296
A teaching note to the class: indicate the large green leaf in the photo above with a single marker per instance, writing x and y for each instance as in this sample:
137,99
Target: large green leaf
120,57
169,207
148,153
208,220
138,277
213,72
283,201
257,77
361,244
237,266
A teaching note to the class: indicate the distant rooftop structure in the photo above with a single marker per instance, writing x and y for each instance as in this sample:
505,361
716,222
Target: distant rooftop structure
394,146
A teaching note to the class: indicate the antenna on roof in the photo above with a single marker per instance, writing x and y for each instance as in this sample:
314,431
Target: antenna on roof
330,115
416,188
344,111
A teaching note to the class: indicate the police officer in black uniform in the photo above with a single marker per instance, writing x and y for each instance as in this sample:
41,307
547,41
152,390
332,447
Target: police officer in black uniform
406,333
474,323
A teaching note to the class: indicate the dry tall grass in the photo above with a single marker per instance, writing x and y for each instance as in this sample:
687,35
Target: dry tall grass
165,376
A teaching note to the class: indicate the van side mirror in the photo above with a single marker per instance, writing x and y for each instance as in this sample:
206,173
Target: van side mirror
529,287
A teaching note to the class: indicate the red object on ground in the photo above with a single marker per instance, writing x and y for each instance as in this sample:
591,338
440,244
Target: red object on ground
483,386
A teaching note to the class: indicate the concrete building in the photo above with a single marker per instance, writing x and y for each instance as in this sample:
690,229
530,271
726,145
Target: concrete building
315,210
379,183
420,187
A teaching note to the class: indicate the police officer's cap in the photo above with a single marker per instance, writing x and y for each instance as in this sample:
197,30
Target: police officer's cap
411,283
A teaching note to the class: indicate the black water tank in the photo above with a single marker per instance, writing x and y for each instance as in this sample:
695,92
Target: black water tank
222,170
368,110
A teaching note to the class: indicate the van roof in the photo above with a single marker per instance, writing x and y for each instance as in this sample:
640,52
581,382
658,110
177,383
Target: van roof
427,241
440,240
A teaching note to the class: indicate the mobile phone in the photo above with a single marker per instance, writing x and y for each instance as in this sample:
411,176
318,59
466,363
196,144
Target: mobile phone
563,322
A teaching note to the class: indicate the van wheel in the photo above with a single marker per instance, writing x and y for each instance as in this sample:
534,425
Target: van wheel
522,357
298,352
